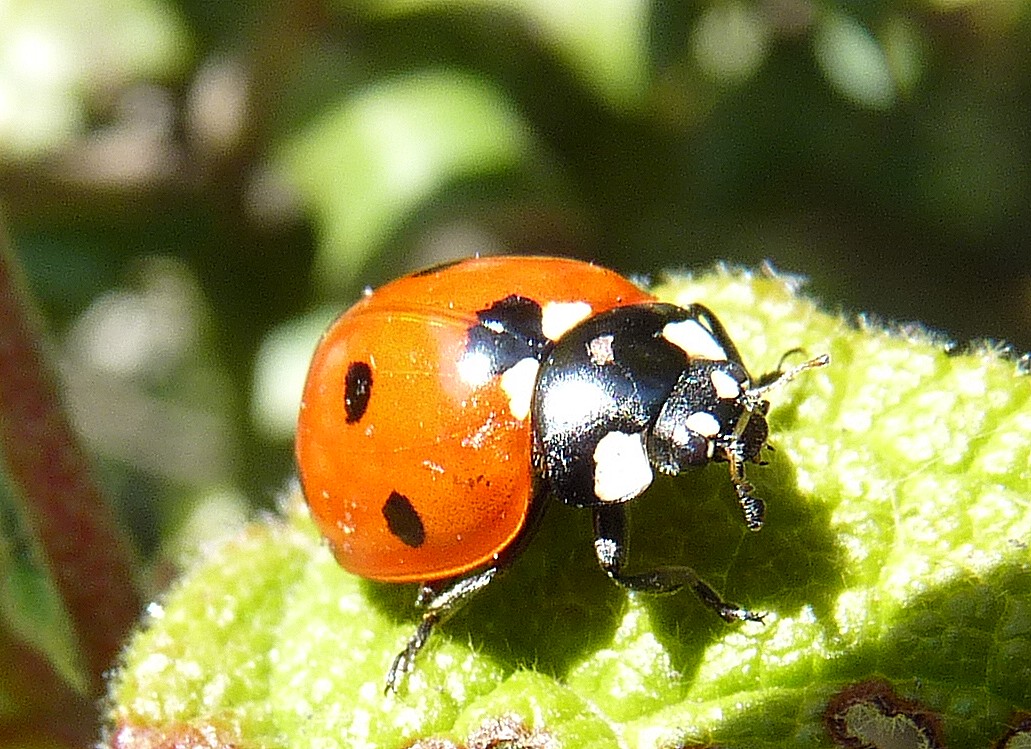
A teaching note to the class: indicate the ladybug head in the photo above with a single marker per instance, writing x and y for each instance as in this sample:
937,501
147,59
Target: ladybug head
714,414
710,415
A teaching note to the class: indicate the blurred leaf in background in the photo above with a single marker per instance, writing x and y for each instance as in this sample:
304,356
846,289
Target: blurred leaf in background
58,56
367,167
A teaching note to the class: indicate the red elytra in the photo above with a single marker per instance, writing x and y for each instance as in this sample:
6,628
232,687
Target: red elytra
415,458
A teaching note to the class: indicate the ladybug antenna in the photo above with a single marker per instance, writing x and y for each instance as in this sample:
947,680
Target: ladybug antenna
780,377
754,508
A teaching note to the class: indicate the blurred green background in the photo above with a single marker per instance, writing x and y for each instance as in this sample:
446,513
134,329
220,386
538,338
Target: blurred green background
195,188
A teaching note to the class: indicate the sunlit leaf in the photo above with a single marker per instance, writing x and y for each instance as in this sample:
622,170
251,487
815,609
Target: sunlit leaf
895,550
854,62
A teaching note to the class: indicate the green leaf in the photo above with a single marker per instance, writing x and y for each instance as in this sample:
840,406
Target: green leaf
367,164
280,369
67,597
894,563
604,42
30,606
730,41
56,54
854,62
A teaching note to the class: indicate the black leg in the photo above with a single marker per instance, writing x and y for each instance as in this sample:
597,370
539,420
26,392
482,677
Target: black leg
438,606
754,508
610,545
440,600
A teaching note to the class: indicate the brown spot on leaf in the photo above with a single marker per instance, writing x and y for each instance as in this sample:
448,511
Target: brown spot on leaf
128,736
506,732
509,732
1019,734
434,743
870,715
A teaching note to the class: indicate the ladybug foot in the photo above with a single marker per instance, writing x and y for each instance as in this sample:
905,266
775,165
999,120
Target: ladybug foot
438,604
728,612
404,662
402,665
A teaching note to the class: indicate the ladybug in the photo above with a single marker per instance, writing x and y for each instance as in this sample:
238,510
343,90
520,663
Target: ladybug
442,410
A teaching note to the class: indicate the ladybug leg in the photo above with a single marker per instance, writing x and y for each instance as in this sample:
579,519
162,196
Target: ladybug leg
610,544
426,594
438,605
753,507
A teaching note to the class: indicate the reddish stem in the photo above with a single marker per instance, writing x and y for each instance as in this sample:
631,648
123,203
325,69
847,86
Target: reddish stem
63,508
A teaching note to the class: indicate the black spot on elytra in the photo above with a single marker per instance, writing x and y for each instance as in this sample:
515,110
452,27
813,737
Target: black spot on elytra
357,389
403,521
508,332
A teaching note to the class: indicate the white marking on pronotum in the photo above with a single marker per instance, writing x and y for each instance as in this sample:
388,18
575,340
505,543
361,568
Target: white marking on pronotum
518,382
726,386
694,339
704,423
621,467
600,350
572,402
558,317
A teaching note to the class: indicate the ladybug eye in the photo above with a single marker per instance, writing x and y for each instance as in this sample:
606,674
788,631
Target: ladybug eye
675,444
357,389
